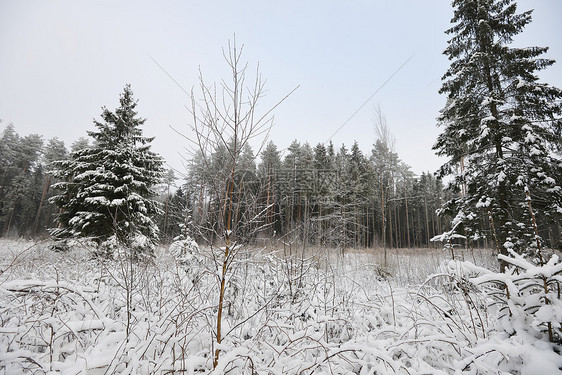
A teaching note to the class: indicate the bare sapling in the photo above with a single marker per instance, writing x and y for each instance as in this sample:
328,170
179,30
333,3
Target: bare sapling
226,121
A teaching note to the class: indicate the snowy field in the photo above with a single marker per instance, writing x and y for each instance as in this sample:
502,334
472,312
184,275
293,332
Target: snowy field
317,313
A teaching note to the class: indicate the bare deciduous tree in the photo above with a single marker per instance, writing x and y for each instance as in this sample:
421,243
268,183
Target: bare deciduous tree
384,156
226,118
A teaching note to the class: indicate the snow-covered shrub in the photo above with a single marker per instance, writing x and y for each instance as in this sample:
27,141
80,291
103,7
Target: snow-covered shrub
184,249
531,301
526,299
54,321
282,315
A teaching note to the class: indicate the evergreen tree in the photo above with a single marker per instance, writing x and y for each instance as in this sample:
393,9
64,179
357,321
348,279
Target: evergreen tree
289,181
165,197
180,209
8,170
246,167
338,212
305,175
79,144
324,180
405,192
200,184
358,171
105,193
360,191
246,190
270,161
321,161
54,150
21,189
501,126
385,163
268,172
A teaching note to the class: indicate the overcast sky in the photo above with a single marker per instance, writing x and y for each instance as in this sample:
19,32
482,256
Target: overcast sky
61,61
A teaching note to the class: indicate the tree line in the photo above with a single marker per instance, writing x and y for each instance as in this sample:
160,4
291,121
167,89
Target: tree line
318,195
336,198
26,184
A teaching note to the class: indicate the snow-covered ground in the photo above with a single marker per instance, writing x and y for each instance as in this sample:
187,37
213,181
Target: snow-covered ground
317,313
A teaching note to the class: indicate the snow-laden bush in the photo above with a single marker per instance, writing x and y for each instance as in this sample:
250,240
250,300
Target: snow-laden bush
526,298
184,249
282,315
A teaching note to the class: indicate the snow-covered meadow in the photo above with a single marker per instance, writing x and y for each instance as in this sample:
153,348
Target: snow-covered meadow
285,313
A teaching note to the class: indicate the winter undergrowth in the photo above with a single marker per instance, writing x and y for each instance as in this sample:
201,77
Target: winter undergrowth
64,313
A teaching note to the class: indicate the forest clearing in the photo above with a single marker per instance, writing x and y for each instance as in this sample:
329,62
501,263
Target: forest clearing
301,259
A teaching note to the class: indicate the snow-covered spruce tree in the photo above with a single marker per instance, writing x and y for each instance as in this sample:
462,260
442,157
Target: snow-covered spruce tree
501,127
105,193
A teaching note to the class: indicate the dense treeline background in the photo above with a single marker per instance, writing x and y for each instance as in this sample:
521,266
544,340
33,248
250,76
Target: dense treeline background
302,196
314,196
25,183
307,195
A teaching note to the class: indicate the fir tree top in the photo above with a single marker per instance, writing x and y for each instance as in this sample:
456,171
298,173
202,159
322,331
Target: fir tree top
121,126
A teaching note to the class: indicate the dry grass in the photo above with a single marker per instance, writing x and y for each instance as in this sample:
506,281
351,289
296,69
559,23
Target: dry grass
406,266
413,265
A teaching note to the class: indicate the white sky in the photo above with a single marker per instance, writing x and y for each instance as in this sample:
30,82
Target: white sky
61,61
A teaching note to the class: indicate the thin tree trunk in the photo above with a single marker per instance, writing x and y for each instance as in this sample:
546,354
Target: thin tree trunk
166,211
407,217
399,242
383,222
426,222
45,190
390,234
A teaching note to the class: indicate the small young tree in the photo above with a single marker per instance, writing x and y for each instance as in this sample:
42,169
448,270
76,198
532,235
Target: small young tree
501,126
224,124
105,189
